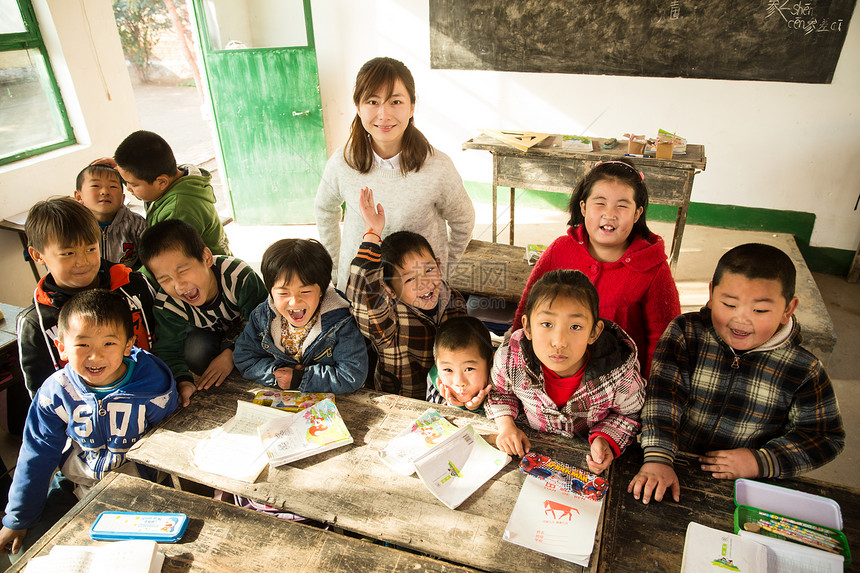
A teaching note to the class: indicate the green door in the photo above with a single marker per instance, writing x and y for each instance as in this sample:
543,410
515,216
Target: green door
261,69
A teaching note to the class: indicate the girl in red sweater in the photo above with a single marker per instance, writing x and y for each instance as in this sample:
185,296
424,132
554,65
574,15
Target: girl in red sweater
609,241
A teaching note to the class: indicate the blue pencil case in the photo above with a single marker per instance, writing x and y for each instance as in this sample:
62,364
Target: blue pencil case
119,525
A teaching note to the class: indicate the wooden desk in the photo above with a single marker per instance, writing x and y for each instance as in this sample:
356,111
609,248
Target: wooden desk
351,488
225,538
17,398
9,325
639,537
492,270
549,168
22,236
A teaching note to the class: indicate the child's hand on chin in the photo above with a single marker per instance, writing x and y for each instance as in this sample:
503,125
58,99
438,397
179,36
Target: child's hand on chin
601,455
472,403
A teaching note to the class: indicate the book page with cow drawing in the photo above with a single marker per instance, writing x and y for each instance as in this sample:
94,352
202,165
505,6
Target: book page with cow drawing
551,520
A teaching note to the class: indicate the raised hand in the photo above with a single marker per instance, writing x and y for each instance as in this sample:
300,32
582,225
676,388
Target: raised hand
372,214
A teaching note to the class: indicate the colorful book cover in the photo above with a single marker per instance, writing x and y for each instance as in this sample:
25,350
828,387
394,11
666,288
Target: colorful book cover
553,521
455,469
429,429
290,400
311,431
569,478
533,253
576,143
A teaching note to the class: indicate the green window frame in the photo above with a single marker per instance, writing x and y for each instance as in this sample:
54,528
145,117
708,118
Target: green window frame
28,87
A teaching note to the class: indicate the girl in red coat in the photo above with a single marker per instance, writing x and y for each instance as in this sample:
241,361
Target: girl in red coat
609,241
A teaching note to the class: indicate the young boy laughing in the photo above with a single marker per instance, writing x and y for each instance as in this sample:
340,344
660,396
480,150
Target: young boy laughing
203,302
732,384
398,298
101,402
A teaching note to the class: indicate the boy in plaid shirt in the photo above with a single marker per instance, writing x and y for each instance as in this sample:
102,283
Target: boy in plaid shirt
732,384
398,298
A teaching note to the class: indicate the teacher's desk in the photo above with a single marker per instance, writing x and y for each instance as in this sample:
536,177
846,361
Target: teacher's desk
549,167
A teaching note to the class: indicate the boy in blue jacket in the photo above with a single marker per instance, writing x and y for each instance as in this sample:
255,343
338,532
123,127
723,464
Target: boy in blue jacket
102,401
303,336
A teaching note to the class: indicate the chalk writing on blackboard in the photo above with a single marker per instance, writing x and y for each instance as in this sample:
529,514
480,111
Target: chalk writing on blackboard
801,16
770,40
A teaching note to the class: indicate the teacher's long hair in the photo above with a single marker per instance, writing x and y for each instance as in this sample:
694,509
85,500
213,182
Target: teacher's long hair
375,74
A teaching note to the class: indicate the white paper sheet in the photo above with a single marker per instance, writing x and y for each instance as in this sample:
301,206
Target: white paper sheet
234,450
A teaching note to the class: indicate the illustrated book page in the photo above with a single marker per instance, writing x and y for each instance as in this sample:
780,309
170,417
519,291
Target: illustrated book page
427,431
312,431
290,400
708,549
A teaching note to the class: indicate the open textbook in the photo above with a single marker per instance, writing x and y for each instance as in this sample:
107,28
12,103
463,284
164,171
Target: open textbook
428,430
136,556
455,468
312,431
554,521
234,450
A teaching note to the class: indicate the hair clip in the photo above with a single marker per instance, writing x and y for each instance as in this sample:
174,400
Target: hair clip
641,175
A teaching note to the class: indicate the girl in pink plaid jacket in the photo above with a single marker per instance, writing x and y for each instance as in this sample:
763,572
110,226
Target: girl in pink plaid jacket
568,372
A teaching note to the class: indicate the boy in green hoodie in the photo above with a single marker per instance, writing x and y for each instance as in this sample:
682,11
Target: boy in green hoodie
146,163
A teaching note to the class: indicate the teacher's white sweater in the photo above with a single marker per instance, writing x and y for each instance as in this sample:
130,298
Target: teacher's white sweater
431,202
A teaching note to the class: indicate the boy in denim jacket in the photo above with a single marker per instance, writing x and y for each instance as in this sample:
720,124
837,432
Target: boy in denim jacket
302,337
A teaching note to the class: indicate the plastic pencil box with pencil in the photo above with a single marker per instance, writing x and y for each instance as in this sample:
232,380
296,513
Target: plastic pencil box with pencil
782,513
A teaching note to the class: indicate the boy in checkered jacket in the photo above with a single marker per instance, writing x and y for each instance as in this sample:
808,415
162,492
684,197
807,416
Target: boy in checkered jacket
398,298
732,384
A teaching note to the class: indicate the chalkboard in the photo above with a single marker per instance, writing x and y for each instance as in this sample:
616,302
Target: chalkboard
771,40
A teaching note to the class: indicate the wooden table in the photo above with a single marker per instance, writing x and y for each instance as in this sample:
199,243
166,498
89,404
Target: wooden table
547,167
351,488
639,537
492,270
225,538
22,236
17,397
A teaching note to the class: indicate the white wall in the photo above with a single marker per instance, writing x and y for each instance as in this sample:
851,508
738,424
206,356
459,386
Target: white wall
97,92
772,145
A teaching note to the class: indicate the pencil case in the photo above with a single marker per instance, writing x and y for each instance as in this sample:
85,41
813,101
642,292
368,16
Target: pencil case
757,502
120,525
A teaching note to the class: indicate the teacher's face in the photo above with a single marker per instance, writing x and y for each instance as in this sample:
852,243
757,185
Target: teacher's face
386,118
